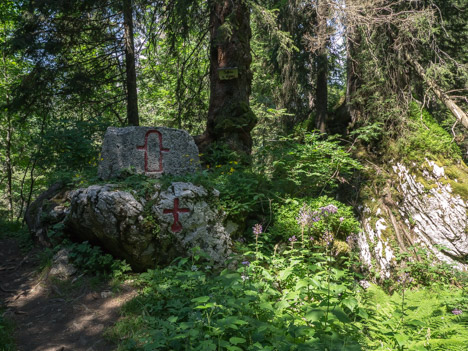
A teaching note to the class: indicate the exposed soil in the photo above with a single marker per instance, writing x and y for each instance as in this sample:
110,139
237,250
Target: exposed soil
51,315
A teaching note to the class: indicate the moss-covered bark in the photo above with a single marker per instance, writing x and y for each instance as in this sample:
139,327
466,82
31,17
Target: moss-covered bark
230,118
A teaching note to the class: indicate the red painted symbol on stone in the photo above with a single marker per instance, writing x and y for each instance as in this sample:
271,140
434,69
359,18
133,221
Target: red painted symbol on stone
148,166
176,226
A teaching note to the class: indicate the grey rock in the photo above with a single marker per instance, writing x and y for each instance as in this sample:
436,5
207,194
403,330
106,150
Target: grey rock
438,216
147,150
148,232
58,213
61,266
45,211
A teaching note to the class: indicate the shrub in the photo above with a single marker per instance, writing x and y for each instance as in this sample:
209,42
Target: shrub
306,165
6,334
91,259
426,139
342,223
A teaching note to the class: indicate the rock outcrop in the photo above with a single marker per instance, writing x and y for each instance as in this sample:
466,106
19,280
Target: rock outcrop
422,204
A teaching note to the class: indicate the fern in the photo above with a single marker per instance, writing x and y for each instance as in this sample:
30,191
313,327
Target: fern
424,322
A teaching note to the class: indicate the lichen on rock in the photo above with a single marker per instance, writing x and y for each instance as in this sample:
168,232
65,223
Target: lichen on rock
426,211
178,219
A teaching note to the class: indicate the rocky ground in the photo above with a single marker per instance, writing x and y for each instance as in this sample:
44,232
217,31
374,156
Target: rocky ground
54,315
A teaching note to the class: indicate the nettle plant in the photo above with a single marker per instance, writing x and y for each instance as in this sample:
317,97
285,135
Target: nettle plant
296,298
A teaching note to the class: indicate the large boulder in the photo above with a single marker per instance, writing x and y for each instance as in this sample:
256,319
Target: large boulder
154,230
147,150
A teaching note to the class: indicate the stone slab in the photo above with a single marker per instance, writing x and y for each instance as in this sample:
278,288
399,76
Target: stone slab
147,150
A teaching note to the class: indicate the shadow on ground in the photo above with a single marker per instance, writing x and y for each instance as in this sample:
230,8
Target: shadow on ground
54,316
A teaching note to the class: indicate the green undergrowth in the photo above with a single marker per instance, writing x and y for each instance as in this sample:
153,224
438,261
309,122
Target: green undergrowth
13,229
6,333
298,298
343,222
92,260
423,318
306,164
301,165
295,300
425,138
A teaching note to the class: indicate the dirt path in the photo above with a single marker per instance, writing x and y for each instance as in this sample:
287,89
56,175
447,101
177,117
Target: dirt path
54,316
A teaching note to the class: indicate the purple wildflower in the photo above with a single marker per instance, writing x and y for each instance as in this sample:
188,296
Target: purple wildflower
341,219
246,263
328,237
293,239
304,217
315,216
311,238
329,209
457,311
257,229
405,278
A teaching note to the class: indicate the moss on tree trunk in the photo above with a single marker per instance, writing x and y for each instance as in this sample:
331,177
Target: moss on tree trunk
230,118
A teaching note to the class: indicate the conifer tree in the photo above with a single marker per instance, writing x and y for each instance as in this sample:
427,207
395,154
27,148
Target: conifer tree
230,118
78,48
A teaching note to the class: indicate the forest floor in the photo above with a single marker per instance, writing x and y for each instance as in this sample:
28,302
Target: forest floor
54,315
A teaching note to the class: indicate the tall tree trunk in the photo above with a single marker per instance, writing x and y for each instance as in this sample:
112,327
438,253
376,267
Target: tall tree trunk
321,92
230,118
352,81
459,114
9,166
8,161
132,97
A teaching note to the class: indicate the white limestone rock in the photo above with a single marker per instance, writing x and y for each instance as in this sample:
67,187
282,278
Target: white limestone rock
434,217
439,217
375,247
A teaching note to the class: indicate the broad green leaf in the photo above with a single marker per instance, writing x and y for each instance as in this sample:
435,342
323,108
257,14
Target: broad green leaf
233,348
342,317
201,299
314,314
236,340
284,274
282,305
173,319
350,303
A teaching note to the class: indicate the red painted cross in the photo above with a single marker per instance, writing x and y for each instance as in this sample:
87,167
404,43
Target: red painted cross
176,226
148,168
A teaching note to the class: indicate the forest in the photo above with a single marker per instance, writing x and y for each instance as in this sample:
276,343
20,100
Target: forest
330,171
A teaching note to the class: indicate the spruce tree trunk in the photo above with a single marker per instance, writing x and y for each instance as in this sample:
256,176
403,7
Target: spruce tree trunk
321,92
9,167
352,81
8,161
230,118
132,97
